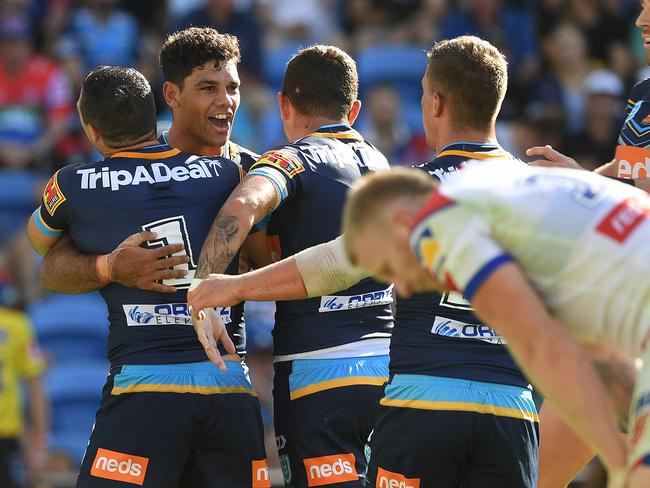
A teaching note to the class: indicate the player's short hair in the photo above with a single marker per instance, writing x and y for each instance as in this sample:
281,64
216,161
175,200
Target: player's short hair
367,197
321,81
473,75
184,50
119,104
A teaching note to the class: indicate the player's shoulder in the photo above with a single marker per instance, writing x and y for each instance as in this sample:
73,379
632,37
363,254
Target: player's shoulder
241,155
640,91
287,158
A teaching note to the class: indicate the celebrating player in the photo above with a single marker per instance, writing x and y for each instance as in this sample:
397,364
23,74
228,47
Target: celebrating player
439,350
159,374
330,352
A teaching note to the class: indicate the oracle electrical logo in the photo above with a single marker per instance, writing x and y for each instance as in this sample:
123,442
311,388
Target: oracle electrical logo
327,470
118,466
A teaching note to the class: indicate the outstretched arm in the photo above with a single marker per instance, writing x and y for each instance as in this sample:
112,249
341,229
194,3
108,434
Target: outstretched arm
253,199
67,270
552,359
316,271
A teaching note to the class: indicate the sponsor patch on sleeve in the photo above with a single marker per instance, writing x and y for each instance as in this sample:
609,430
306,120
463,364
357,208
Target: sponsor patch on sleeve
53,197
286,162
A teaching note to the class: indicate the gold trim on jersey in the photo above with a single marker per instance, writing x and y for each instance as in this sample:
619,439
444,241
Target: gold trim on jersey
143,155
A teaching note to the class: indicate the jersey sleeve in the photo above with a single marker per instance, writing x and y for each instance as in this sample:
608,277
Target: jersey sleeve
453,241
51,218
283,167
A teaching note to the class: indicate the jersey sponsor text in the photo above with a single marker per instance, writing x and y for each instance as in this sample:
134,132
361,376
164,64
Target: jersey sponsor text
328,470
119,466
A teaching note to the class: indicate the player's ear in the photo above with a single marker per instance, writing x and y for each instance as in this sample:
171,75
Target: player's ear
437,104
285,106
403,220
171,92
354,111
93,134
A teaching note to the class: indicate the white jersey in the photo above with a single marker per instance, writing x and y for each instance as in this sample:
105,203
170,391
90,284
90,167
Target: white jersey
582,240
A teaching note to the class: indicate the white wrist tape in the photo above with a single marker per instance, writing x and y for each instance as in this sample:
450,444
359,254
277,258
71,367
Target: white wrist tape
325,268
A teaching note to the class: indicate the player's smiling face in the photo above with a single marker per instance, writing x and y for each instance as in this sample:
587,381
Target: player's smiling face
207,104
643,23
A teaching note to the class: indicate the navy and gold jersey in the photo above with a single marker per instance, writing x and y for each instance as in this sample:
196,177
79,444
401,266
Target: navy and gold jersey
633,150
438,334
313,175
158,189
244,157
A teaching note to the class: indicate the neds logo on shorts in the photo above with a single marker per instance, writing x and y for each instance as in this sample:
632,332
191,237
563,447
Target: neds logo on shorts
388,479
118,466
327,470
261,476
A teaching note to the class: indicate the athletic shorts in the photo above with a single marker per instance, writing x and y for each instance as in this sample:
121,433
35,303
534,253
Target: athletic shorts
452,433
177,426
639,428
12,466
324,411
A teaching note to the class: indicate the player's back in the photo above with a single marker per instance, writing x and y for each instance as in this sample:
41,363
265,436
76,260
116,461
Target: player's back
580,238
314,175
158,189
437,334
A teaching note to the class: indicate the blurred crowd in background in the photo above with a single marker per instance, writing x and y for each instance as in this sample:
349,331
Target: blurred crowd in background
571,64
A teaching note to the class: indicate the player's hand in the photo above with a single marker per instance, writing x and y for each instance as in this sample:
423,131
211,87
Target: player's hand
137,267
553,158
210,329
216,290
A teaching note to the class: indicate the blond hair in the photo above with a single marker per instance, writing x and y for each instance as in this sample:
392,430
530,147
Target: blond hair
366,199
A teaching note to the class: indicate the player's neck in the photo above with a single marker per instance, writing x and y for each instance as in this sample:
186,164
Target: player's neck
479,137
186,143
109,151
303,126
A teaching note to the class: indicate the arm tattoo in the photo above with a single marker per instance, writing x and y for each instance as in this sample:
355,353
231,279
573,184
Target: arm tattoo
218,249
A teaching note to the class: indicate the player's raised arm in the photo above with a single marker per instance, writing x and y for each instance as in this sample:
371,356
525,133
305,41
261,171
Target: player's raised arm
253,199
552,359
319,270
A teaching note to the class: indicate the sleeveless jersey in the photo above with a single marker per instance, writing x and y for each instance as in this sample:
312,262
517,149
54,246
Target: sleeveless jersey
437,334
160,189
313,175
590,266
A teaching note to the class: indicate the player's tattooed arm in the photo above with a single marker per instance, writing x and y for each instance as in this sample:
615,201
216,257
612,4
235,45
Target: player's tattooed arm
253,199
67,270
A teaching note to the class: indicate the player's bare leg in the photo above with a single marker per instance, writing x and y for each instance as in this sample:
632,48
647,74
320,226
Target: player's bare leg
562,453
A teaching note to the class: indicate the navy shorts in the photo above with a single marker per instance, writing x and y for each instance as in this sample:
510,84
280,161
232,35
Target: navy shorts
324,411
451,433
177,426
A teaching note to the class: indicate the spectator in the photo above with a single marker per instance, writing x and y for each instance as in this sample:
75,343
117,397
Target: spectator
387,130
565,52
224,16
20,360
99,34
602,121
35,99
